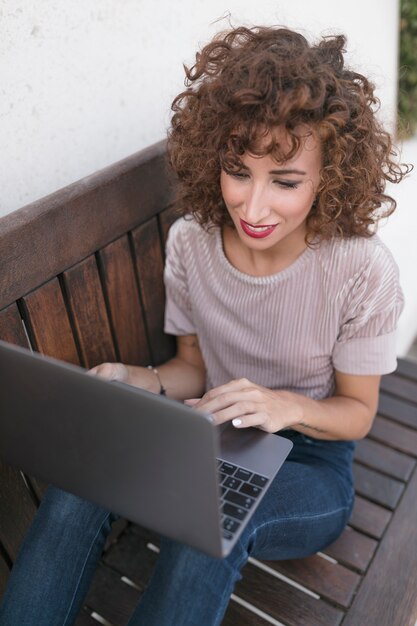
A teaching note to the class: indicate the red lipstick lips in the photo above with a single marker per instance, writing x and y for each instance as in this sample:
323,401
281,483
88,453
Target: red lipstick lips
257,232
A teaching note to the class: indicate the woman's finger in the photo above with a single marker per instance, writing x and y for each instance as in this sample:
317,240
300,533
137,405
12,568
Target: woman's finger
234,385
257,420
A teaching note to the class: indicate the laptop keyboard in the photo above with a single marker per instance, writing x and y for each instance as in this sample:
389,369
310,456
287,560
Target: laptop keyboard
240,488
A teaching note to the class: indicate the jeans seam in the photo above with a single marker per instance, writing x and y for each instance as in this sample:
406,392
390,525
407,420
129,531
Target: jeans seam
302,517
71,604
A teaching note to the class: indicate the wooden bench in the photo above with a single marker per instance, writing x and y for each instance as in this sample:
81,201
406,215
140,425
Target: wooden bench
81,280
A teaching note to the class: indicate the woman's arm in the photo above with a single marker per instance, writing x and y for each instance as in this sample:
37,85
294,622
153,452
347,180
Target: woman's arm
182,376
348,414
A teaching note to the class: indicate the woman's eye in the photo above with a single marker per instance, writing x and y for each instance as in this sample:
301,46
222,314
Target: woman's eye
239,175
286,184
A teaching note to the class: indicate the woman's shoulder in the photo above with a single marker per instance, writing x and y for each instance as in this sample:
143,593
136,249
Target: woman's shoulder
186,227
186,234
353,255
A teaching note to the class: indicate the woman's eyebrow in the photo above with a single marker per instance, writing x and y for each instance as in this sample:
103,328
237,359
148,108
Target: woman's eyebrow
284,170
288,171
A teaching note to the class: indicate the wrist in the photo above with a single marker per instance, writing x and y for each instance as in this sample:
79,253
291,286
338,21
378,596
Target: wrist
161,389
295,413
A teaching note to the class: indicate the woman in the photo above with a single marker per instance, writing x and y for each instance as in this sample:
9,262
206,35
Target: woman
284,303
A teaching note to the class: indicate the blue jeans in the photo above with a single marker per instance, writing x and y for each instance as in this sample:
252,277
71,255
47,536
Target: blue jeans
305,509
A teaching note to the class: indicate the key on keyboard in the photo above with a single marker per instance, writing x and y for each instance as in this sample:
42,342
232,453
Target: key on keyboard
239,490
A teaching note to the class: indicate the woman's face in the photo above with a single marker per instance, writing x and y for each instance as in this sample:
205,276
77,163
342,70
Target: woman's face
269,202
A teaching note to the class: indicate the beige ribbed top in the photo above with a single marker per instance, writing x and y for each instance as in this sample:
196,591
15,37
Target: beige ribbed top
335,307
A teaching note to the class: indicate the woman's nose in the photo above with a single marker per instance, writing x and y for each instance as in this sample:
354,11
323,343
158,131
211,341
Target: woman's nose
257,207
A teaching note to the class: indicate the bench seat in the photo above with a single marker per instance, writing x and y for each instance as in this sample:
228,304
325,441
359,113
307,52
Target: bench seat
82,281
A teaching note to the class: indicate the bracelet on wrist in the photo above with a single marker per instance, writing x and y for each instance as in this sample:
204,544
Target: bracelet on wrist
162,390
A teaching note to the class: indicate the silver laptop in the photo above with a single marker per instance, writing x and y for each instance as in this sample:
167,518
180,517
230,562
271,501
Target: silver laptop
146,457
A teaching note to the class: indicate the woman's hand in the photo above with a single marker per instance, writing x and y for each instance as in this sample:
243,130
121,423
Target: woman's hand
247,404
111,371
131,375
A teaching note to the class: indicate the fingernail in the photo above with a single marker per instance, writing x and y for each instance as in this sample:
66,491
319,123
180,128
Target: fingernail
237,422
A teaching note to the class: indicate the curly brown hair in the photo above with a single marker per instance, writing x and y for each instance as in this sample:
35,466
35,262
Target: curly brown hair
248,81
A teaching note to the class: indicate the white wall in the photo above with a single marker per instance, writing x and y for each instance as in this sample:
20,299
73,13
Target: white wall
87,82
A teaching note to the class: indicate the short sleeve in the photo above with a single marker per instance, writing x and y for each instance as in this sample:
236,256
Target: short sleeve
366,343
178,310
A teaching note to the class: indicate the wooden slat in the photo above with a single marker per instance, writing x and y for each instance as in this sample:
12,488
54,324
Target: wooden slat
388,593
387,460
150,267
397,436
38,487
377,487
130,555
118,528
369,517
4,575
397,409
115,600
399,386
11,327
124,302
237,615
331,580
43,239
166,219
407,368
353,549
89,313
284,602
16,509
110,597
85,619
49,322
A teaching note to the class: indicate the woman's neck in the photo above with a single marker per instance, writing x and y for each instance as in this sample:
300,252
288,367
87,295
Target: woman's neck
261,262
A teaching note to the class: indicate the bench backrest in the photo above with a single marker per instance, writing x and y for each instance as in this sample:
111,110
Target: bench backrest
82,280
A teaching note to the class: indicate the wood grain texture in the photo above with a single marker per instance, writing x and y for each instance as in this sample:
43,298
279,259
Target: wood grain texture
395,435
4,575
115,600
237,615
369,517
17,509
388,593
47,237
11,327
110,597
330,580
150,268
131,556
49,323
38,487
124,302
384,459
166,219
284,602
89,314
85,619
407,368
400,387
377,487
398,410
353,549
